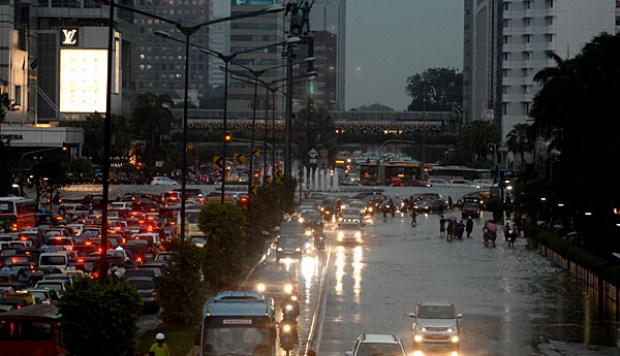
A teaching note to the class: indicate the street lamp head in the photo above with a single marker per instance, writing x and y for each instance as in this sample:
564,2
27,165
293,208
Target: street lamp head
309,59
274,8
293,39
162,34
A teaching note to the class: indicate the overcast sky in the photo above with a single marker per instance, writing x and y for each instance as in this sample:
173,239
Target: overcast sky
389,40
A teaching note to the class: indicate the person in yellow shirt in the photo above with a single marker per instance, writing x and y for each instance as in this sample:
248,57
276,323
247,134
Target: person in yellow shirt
159,348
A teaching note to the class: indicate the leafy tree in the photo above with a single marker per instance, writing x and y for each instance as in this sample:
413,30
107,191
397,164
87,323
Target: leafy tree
99,317
225,226
521,139
473,144
180,291
150,121
5,168
373,107
576,111
316,130
436,89
51,173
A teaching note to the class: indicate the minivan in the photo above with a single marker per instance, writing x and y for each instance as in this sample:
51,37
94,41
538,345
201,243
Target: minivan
53,259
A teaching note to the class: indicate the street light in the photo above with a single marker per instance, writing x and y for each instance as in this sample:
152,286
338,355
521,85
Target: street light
256,74
188,31
270,86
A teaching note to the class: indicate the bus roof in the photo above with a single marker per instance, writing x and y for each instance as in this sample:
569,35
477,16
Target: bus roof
33,311
238,303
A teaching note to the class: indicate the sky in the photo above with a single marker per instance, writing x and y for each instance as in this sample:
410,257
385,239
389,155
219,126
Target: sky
390,40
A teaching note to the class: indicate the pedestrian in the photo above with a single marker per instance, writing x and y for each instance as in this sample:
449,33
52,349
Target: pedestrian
159,348
469,226
450,204
442,226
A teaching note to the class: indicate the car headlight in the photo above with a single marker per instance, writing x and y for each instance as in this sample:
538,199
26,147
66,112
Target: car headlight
280,249
454,339
358,235
301,220
288,288
260,287
286,328
340,234
289,307
298,249
418,338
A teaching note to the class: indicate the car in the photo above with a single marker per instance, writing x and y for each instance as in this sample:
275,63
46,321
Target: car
462,183
435,325
55,284
438,182
163,181
484,183
470,209
427,206
274,282
290,246
377,344
147,288
311,219
350,232
47,296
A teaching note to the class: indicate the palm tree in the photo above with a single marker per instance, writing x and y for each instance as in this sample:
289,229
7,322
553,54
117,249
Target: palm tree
520,140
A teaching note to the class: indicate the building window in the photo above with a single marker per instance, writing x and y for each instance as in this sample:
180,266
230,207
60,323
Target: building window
18,95
506,56
506,6
527,89
527,21
527,38
526,107
505,108
505,72
506,23
527,4
550,3
526,55
549,20
549,37
506,39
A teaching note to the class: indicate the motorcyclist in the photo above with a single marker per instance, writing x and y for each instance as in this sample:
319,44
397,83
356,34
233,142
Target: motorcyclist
413,214
290,307
469,226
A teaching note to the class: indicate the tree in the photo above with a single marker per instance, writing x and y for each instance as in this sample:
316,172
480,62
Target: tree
472,146
180,291
373,107
99,317
576,112
436,89
316,130
150,121
226,228
521,139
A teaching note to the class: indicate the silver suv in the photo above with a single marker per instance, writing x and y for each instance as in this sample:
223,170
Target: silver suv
435,324
377,344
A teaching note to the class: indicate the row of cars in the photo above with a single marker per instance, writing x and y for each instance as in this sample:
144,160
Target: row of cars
29,257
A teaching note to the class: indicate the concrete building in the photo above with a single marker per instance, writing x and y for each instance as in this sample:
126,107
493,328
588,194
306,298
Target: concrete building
160,62
329,16
508,42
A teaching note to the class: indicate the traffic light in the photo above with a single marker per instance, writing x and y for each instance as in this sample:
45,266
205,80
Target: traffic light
227,137
64,147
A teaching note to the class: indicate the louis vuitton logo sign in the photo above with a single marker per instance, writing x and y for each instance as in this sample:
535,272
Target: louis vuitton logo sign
69,37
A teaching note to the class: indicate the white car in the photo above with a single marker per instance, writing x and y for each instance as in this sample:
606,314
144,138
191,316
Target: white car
377,344
435,324
163,181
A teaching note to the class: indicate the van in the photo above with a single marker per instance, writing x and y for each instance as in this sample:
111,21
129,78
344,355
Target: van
53,259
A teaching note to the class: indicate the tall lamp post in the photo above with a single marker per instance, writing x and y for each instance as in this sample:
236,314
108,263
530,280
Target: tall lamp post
256,74
188,31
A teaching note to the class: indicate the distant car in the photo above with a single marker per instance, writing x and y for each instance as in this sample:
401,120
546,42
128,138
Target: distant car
274,282
435,324
57,285
462,183
163,181
290,246
437,182
430,206
470,209
47,296
484,183
147,288
350,232
377,344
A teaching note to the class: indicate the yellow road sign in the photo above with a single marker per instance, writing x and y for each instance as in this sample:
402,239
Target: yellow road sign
256,152
267,179
279,176
190,146
218,161
253,191
239,158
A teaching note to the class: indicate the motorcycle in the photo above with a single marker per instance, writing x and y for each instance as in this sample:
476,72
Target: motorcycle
288,335
290,308
319,242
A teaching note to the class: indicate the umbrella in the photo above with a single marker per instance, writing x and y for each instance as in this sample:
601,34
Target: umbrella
491,226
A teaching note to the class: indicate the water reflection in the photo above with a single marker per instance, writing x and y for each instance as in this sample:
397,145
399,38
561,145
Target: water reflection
356,254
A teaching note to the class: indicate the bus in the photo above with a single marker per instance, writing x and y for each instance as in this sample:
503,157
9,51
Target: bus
31,330
458,172
243,321
191,221
386,172
17,213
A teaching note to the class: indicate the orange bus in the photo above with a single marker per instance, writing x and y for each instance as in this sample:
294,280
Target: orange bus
32,330
16,213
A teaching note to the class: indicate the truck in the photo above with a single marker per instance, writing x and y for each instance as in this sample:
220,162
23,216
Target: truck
241,322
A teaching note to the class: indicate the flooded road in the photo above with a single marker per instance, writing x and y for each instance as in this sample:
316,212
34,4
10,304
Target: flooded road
514,301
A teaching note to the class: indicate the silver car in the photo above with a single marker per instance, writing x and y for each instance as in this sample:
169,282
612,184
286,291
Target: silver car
435,325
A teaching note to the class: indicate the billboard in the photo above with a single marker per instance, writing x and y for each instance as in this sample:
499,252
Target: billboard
83,80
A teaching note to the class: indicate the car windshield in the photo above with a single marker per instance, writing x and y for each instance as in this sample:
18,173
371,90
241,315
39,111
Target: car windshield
290,241
436,312
368,349
349,227
142,284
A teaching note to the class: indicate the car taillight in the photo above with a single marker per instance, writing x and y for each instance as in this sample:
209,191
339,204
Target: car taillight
154,294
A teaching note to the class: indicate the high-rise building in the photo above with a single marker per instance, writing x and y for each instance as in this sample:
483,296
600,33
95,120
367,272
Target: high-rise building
249,33
508,42
325,87
330,16
160,62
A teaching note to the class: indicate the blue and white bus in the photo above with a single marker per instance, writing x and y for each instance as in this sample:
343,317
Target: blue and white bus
238,322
